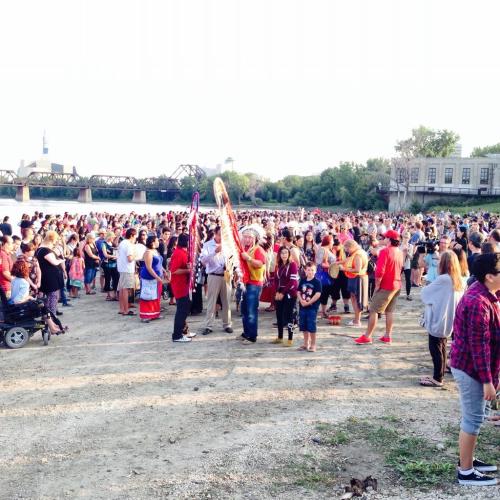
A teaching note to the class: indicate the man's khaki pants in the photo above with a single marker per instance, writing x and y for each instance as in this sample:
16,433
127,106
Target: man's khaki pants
217,285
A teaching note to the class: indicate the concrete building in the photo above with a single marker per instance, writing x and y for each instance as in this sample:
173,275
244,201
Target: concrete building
429,179
43,164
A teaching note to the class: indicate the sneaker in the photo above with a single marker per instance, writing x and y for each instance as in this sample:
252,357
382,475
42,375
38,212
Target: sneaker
248,342
183,339
207,331
408,297
332,308
475,478
277,340
346,310
228,329
240,337
67,305
481,466
363,340
289,343
191,335
385,339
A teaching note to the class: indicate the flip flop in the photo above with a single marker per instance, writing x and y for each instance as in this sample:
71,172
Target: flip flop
428,382
130,313
311,349
302,348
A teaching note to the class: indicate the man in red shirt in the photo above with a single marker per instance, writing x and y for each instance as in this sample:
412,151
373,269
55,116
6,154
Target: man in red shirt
387,287
179,282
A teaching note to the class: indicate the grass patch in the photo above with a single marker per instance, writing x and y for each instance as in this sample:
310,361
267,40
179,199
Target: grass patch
416,460
488,443
305,471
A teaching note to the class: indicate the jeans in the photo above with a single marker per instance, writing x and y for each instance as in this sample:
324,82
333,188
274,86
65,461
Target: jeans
472,402
63,296
250,311
181,314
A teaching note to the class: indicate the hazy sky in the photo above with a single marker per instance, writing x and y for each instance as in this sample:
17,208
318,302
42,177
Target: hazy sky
282,86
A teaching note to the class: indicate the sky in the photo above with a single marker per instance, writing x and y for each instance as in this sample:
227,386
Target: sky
138,87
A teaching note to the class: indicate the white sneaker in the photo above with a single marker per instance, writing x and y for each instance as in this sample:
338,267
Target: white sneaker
191,335
183,339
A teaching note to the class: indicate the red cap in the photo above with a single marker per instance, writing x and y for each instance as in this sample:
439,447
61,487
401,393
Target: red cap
392,235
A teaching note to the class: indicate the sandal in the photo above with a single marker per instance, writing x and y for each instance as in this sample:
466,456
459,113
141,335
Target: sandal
270,309
430,382
352,323
89,293
311,349
302,348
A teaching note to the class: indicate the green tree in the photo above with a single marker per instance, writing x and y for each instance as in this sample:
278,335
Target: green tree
494,149
428,143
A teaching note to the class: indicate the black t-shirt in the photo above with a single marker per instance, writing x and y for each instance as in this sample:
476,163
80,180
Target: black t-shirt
50,274
309,289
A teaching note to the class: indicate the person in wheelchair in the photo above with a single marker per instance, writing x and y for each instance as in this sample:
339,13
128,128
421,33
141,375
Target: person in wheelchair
32,307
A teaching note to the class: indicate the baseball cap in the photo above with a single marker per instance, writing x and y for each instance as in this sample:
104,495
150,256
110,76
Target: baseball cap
392,235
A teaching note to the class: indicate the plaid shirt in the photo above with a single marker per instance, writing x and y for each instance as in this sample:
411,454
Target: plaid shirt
476,342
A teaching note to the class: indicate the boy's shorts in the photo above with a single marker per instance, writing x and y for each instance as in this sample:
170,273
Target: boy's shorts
307,319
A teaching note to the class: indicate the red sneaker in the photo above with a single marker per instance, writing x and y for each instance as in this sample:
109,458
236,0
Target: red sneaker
385,340
363,340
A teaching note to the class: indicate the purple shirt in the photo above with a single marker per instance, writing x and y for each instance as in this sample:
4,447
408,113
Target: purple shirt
476,329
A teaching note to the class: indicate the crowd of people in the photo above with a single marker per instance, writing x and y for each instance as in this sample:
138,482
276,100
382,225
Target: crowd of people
309,266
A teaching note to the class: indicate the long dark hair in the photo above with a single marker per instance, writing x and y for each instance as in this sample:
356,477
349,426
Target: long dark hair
280,260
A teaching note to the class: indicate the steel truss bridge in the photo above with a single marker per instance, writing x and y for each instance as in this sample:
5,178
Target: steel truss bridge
169,184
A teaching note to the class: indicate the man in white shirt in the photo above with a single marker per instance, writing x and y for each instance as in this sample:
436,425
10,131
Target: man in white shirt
125,264
214,262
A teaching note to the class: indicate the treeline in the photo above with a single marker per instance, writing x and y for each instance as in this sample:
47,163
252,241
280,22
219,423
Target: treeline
350,185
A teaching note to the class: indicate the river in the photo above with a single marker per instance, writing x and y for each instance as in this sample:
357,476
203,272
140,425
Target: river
14,209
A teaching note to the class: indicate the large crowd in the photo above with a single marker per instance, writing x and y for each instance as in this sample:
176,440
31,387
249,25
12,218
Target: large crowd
308,266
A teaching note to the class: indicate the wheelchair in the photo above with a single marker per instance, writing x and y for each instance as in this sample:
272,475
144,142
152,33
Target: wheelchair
19,322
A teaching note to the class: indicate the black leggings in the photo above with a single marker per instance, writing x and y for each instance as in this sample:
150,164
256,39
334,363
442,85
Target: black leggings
111,277
339,287
408,281
437,348
284,316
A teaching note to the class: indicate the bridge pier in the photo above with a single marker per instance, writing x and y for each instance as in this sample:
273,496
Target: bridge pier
22,193
139,197
85,195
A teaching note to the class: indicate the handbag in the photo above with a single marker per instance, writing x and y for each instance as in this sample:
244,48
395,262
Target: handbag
333,270
149,290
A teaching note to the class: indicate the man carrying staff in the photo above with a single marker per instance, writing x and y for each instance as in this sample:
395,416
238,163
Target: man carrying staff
214,262
255,259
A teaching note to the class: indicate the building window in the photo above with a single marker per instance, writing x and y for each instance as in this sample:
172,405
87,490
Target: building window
400,175
448,175
484,178
414,175
466,175
431,177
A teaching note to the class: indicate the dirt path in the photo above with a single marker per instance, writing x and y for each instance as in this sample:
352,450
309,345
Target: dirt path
115,410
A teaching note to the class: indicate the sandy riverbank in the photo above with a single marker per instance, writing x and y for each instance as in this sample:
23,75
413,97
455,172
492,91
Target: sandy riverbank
114,410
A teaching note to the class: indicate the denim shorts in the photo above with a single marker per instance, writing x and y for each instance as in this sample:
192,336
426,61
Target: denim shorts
472,401
307,319
89,275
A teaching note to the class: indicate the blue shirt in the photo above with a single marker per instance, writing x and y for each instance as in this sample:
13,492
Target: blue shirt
19,291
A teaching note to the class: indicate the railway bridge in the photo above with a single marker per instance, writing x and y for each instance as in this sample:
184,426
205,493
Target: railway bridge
139,187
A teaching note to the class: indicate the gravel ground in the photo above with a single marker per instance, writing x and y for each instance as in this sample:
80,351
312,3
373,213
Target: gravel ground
115,410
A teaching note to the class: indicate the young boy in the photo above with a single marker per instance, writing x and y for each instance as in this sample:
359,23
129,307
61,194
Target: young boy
309,293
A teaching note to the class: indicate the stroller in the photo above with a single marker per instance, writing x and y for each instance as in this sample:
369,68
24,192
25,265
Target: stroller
19,322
